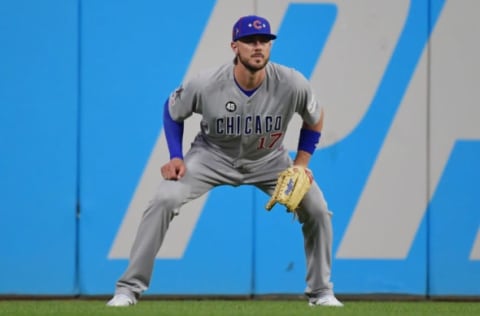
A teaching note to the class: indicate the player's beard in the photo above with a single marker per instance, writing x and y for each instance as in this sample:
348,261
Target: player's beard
253,68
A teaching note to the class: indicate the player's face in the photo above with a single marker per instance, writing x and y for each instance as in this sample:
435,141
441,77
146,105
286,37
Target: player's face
253,52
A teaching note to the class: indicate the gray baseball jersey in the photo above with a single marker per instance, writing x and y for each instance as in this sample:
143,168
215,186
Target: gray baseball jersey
240,142
239,126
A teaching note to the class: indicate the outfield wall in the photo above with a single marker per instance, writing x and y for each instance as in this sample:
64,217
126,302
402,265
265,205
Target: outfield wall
82,85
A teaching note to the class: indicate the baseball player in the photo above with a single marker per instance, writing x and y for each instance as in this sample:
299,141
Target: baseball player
246,106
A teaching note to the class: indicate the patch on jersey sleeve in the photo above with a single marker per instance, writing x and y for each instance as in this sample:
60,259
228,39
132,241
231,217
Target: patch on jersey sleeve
176,95
312,106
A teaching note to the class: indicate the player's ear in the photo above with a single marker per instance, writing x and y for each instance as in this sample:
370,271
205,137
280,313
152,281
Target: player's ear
234,47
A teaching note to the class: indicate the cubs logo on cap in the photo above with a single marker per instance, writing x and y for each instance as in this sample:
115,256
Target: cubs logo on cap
251,25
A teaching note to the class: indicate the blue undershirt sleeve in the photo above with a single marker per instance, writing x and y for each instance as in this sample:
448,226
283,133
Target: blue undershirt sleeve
173,134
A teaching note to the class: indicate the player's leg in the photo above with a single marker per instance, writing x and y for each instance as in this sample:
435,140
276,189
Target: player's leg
156,218
315,218
149,237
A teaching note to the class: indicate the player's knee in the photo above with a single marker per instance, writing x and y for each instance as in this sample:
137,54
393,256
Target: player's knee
168,201
316,212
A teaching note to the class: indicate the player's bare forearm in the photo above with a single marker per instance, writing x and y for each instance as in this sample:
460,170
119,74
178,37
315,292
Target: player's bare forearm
302,158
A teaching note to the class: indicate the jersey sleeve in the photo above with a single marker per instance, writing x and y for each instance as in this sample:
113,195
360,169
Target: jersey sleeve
307,105
184,101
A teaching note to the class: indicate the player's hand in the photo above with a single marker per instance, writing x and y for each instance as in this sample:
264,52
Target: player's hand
174,169
308,172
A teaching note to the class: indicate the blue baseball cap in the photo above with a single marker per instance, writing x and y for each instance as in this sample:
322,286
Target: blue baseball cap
251,25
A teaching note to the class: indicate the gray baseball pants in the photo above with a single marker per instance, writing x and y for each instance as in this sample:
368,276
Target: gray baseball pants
205,170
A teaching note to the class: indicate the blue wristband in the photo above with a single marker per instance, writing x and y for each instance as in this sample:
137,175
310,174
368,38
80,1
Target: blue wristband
173,134
308,140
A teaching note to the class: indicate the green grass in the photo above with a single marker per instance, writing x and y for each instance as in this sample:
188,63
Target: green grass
232,307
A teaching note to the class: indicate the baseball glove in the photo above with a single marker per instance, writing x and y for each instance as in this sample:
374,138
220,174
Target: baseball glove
292,185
